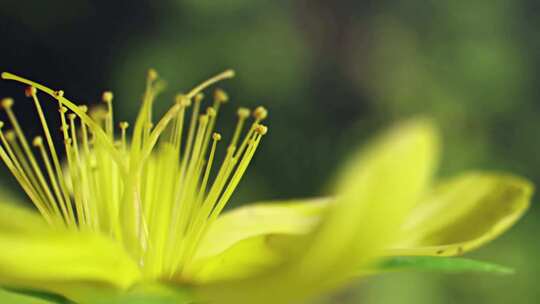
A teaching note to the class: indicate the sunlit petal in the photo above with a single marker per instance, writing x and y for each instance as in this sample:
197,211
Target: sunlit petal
375,193
35,255
464,213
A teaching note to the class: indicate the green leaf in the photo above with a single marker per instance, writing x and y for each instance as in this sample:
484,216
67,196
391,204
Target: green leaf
441,264
43,295
146,293
13,297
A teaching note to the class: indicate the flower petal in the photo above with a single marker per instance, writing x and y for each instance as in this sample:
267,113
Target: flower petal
34,255
274,217
464,213
238,242
375,193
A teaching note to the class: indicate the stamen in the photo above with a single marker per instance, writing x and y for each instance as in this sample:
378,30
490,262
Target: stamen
25,185
183,102
260,113
220,96
38,142
123,128
215,138
39,199
75,170
84,132
107,98
224,75
57,179
7,103
59,95
243,114
191,132
158,202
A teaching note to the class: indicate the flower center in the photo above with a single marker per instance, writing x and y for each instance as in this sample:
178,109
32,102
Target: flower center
157,194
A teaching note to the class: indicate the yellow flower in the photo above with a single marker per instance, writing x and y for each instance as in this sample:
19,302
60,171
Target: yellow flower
145,217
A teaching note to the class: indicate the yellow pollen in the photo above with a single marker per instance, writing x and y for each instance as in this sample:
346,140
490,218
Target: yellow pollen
38,141
261,129
107,96
183,100
123,125
211,112
199,97
152,74
7,102
260,113
243,112
221,96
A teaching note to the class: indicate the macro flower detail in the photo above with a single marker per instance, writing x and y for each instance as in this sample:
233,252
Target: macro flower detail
141,213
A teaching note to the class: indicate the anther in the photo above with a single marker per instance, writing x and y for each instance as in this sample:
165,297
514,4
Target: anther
72,116
7,102
83,108
221,96
1,124
229,73
30,91
63,110
203,119
38,141
261,129
152,74
183,100
199,97
107,96
243,112
260,113
123,125
216,136
211,112
10,135
59,93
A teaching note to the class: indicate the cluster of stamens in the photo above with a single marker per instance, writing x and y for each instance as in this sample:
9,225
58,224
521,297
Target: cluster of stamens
157,193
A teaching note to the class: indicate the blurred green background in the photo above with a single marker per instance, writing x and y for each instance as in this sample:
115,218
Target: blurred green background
330,73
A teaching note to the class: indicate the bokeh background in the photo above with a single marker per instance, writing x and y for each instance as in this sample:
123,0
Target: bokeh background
331,73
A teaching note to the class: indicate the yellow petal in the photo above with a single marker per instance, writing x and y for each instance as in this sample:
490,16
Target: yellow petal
33,255
376,191
275,217
464,213
238,242
245,258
